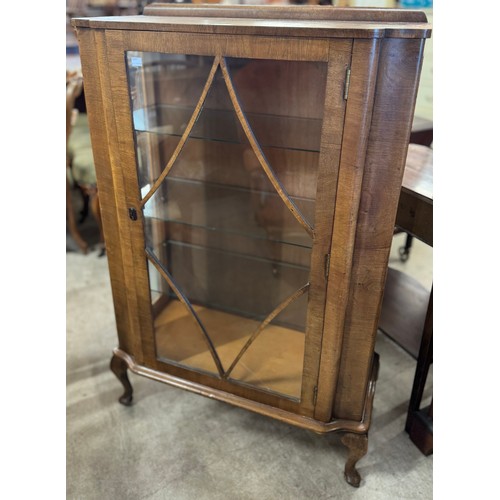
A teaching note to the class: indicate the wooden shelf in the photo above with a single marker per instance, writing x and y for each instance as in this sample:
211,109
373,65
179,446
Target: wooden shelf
235,210
273,362
293,133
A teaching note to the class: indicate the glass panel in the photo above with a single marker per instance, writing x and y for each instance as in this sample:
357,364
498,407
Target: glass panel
164,89
254,212
272,359
285,114
229,262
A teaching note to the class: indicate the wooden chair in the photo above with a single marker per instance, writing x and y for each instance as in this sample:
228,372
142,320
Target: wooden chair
80,170
76,8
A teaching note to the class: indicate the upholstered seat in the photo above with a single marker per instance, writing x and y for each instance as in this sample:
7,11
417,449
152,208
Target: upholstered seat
80,170
80,153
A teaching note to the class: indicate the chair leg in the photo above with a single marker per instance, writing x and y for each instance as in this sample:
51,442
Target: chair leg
85,206
404,252
70,217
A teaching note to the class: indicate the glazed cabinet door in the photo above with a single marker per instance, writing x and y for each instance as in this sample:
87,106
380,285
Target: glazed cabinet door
228,149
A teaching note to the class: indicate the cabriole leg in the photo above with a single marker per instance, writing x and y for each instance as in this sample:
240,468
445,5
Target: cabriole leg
358,446
119,368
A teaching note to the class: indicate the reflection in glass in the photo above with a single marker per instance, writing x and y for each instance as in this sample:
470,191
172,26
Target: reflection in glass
228,260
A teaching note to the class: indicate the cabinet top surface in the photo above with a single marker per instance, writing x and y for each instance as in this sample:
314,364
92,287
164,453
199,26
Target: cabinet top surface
309,21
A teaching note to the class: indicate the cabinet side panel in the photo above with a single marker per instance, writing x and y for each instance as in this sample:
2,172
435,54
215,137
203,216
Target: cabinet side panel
397,83
101,122
350,177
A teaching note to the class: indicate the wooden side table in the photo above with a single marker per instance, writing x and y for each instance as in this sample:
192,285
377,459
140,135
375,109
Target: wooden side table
421,133
406,315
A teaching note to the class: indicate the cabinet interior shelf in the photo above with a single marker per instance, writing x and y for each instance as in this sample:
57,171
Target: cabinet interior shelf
273,362
226,209
206,277
219,231
234,254
222,125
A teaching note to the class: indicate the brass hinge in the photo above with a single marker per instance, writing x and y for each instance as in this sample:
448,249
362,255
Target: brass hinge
327,265
315,394
347,82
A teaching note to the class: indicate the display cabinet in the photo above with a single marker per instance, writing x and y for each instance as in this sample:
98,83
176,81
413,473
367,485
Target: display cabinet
249,164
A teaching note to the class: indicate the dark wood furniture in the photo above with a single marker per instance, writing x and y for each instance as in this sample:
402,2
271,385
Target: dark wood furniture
407,311
249,164
422,132
414,213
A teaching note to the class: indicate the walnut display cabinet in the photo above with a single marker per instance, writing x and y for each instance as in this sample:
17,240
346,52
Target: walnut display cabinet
249,164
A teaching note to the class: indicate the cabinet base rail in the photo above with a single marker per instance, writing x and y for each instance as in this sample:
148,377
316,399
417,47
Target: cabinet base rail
356,432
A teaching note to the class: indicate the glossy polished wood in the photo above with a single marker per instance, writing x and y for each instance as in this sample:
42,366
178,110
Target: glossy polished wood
360,427
298,21
418,175
288,12
372,65
385,158
415,211
351,171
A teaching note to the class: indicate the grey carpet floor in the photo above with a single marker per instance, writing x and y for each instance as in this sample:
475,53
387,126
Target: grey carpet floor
171,444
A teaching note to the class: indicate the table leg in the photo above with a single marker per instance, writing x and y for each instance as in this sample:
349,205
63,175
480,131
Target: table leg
419,421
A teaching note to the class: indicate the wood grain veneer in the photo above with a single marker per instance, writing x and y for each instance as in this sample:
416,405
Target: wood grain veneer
355,74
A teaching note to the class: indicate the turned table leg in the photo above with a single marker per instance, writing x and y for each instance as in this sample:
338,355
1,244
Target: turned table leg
119,368
358,446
